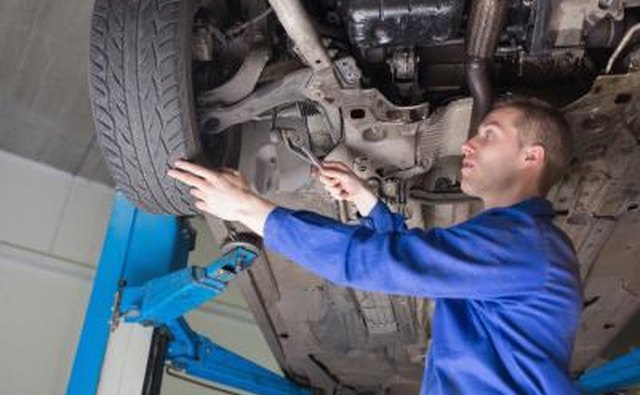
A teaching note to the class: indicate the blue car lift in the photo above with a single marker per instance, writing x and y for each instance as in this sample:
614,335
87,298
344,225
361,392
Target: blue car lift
142,289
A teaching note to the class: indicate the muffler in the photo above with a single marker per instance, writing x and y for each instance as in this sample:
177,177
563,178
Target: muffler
486,22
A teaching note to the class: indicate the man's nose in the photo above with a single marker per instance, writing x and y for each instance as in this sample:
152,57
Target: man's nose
467,147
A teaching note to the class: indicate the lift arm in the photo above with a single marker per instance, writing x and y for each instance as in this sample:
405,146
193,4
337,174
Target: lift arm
197,356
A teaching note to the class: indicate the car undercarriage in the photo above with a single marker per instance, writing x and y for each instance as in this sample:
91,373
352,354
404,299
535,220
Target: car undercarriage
392,89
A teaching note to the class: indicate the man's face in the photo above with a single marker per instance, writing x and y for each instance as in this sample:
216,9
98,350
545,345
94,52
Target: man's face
492,157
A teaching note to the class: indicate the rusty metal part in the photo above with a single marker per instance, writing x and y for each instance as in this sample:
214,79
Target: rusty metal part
297,23
242,83
367,120
288,90
485,25
435,198
486,22
348,71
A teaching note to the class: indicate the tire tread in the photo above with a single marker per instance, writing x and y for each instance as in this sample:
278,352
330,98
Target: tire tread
141,105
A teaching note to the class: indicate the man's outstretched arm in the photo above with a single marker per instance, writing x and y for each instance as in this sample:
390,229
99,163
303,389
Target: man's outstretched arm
227,195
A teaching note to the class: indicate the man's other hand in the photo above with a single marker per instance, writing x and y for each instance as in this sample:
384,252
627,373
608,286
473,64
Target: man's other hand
343,184
224,193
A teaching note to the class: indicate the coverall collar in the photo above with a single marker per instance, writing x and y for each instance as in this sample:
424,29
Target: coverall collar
537,206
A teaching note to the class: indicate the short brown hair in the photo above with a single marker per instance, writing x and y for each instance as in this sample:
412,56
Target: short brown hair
542,124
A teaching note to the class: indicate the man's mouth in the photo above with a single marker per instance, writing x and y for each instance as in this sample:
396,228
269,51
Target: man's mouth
467,164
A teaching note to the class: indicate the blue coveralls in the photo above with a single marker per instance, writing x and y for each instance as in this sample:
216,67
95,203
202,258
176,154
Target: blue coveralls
506,285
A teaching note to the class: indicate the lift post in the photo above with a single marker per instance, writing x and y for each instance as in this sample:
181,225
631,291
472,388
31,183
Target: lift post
133,327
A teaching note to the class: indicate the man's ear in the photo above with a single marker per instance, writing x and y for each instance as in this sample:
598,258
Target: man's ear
534,155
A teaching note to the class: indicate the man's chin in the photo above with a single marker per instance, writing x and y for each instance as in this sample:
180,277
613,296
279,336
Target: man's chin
464,186
468,189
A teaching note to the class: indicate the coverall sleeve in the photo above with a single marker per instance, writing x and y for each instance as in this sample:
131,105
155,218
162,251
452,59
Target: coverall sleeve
490,256
381,219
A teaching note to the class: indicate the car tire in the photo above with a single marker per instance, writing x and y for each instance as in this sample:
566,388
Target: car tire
143,103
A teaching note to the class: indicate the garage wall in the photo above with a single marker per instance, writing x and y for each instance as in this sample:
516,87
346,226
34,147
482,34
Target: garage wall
51,231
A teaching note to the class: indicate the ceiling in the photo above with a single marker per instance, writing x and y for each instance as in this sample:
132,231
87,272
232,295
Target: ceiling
45,112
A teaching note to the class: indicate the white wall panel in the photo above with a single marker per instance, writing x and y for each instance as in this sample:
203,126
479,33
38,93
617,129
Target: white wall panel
31,202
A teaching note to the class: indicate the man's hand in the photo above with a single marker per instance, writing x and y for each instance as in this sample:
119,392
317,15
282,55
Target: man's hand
342,184
223,193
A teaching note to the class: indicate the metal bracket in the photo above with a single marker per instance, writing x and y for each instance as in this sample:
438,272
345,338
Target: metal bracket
289,89
242,83
166,298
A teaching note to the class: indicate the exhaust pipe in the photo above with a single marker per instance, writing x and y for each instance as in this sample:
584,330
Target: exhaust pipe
486,22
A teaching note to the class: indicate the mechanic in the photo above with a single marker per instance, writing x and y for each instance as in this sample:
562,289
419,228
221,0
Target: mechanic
506,282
